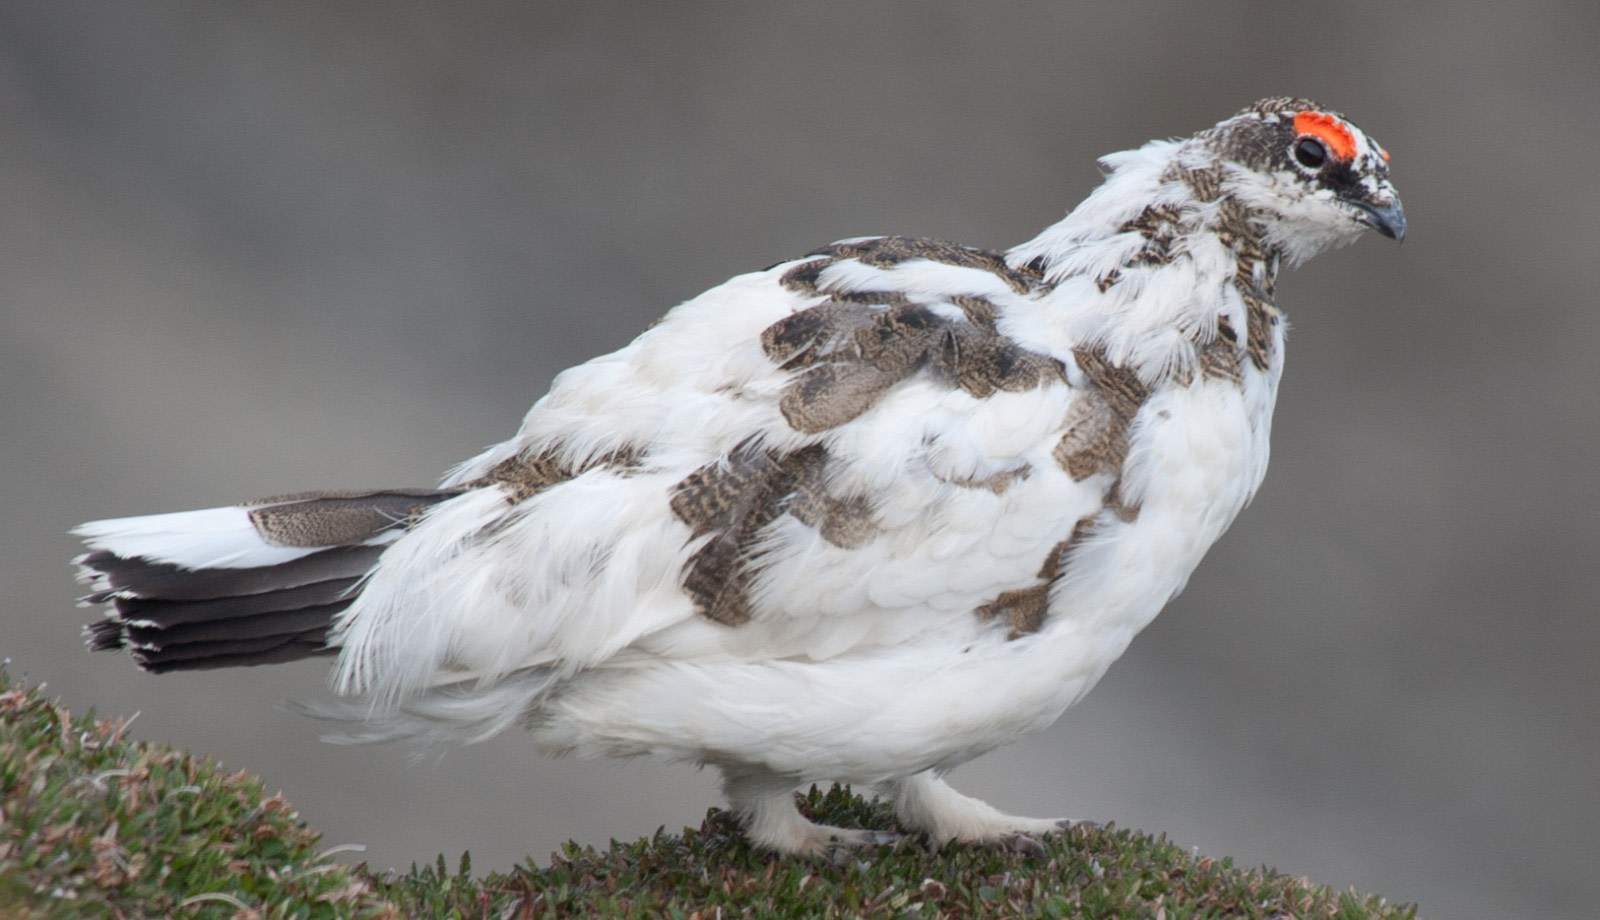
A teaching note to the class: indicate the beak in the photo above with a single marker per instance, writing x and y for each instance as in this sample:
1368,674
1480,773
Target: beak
1386,217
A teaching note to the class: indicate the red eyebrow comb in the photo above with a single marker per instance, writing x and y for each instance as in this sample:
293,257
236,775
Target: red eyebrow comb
1330,130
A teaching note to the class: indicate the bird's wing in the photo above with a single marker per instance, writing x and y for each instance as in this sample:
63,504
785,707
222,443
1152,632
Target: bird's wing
839,452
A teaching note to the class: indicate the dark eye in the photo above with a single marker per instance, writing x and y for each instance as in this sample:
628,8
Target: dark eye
1309,152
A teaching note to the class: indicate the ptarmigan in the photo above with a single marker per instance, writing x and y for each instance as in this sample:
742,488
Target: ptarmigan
861,516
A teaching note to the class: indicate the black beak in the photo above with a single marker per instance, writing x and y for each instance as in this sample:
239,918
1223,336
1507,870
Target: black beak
1386,217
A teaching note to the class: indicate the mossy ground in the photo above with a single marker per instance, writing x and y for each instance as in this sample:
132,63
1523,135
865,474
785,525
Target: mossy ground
93,824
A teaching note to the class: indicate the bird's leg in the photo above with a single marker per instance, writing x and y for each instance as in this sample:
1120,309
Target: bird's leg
764,804
927,803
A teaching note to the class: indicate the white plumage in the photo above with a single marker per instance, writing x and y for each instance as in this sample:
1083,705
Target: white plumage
861,516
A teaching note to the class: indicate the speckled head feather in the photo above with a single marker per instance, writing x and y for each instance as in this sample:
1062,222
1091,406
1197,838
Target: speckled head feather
1311,154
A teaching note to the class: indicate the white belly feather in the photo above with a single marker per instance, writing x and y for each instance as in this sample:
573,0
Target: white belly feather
941,687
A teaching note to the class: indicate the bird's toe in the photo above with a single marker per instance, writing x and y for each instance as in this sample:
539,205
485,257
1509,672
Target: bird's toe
1021,844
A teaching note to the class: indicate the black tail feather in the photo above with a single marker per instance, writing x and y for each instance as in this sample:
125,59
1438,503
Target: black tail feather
104,635
171,614
136,577
278,623
174,618
200,656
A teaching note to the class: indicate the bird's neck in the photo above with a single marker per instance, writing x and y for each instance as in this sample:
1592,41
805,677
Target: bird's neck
1152,263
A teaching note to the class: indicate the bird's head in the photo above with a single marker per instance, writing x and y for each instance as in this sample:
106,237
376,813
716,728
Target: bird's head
1311,178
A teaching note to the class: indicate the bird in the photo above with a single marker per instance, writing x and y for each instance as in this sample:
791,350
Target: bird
859,517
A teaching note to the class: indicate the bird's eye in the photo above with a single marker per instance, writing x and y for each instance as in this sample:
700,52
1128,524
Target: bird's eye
1310,153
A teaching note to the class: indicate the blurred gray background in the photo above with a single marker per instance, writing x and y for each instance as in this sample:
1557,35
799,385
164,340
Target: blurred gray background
258,248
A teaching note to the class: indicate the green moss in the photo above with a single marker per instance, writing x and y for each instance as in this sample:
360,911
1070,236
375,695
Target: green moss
96,825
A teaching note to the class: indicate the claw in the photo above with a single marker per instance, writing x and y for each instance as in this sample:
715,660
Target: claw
1022,844
843,848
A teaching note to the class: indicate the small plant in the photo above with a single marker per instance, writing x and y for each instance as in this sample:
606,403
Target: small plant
93,824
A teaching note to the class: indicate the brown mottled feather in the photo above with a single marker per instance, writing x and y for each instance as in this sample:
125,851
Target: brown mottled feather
1096,439
852,355
310,519
1025,609
735,498
523,476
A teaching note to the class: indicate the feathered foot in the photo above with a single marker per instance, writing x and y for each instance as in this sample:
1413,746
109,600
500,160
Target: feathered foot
928,804
764,804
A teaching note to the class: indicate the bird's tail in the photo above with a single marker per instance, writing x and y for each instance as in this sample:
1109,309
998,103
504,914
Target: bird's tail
257,583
